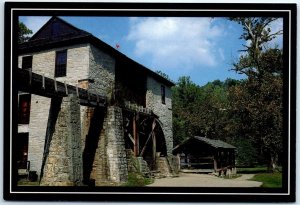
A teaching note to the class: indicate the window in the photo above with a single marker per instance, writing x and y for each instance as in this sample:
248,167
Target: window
27,62
22,150
61,63
163,94
24,108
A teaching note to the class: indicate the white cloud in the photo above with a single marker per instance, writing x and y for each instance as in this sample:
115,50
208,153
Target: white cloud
221,53
34,23
176,42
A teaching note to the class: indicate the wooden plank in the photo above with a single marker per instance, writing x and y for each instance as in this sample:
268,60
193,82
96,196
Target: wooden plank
135,135
40,85
130,137
154,140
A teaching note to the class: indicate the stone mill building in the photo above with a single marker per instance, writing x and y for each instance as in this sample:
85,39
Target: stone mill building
87,113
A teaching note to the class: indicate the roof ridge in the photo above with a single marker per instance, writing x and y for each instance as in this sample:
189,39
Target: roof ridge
54,18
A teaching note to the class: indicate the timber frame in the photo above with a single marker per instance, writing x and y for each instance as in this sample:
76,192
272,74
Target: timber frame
143,134
39,84
205,154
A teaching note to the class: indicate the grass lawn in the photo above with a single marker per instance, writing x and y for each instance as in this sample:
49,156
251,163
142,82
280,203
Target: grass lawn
251,170
254,170
27,183
269,180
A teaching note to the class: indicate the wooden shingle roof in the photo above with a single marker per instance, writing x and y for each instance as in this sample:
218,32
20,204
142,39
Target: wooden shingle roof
217,144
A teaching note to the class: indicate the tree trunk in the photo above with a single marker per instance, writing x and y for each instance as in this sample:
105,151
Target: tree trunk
273,163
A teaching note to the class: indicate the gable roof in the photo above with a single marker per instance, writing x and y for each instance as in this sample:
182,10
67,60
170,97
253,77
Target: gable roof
55,30
58,33
217,144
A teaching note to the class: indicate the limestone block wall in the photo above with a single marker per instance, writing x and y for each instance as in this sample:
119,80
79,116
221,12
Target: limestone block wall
102,71
43,63
163,111
110,162
115,148
63,164
37,131
100,170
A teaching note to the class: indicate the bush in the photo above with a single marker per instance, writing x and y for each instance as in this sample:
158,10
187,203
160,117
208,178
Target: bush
246,153
136,179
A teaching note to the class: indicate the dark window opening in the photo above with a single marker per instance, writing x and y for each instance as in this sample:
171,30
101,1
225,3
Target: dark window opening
27,62
163,94
22,150
24,109
61,63
131,83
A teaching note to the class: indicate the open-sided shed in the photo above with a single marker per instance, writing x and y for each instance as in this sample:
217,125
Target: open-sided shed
206,154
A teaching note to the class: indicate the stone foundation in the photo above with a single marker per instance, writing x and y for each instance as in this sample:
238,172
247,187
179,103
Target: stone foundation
115,149
110,163
63,162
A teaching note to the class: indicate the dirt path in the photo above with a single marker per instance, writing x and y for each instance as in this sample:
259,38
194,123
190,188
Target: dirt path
205,180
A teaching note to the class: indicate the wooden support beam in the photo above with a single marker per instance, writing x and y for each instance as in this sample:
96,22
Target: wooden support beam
34,83
43,85
154,141
66,88
130,137
150,135
233,158
216,161
30,77
135,135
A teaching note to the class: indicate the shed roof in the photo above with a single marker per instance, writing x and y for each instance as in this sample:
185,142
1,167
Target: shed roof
211,142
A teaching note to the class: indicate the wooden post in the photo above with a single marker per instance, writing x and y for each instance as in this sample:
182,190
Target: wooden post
135,135
55,85
215,161
233,158
30,77
77,91
66,88
43,81
179,162
153,141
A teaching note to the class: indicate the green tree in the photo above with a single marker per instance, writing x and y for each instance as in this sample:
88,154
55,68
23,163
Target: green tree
184,98
200,110
257,104
162,74
23,33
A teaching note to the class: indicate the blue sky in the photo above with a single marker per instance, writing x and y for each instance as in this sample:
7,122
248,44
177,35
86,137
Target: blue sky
202,48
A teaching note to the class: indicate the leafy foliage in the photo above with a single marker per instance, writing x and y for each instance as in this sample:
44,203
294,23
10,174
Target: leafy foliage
245,113
164,75
23,33
260,98
200,110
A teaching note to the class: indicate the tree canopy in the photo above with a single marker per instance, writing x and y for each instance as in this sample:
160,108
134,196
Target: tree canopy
23,33
246,113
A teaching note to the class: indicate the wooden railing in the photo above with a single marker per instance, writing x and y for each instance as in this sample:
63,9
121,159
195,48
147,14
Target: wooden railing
34,83
137,108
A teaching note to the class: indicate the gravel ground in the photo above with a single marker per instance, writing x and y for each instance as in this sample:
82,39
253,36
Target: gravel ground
205,180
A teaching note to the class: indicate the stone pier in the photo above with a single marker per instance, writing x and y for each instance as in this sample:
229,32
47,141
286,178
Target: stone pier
110,163
63,159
